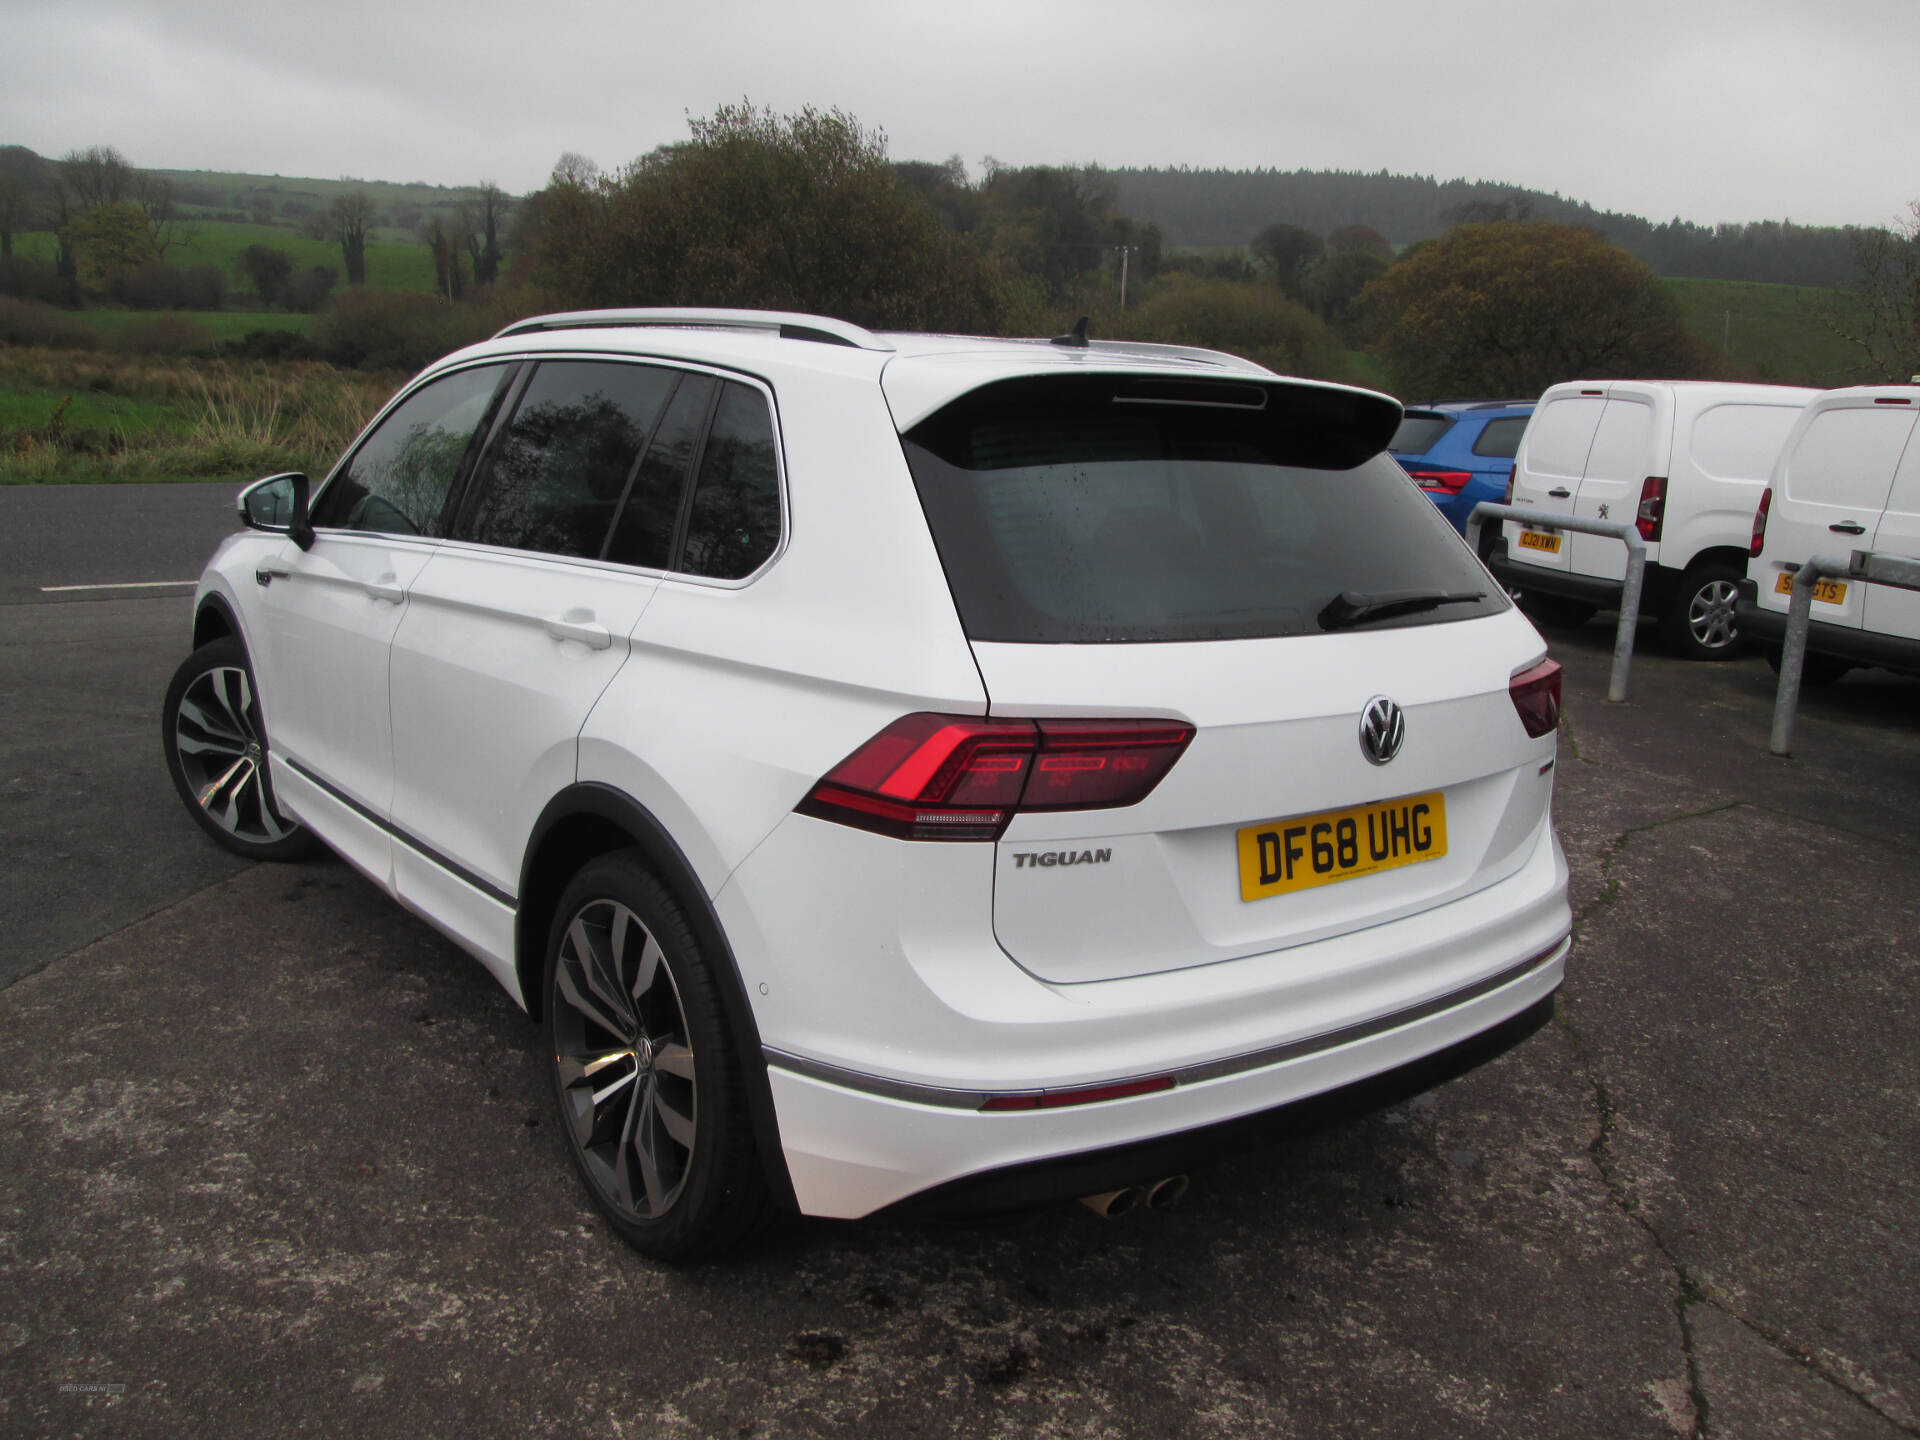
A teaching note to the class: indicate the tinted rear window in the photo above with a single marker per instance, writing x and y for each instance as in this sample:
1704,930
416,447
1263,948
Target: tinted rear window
1419,432
1065,513
1500,440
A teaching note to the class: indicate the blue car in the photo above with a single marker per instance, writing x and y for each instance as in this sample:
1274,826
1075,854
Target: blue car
1461,452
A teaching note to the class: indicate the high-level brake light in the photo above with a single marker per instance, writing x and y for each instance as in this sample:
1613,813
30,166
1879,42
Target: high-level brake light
960,777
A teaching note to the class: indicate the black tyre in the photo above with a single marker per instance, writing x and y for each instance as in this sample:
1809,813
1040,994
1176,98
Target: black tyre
644,1068
216,748
1698,621
1556,612
1815,670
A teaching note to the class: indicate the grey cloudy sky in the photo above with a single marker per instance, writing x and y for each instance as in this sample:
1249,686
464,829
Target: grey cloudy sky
1708,109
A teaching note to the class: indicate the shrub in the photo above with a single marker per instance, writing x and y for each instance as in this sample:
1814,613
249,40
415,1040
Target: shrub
33,322
308,291
157,285
1242,318
272,345
25,278
167,335
398,329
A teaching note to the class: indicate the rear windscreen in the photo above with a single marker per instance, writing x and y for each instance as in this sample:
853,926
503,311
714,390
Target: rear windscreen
1419,432
1070,510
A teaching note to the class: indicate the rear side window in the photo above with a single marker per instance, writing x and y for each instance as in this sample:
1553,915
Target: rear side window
398,481
1064,513
555,476
1419,432
1500,439
734,525
644,533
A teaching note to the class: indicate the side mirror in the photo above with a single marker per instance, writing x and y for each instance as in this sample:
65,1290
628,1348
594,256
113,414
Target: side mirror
278,503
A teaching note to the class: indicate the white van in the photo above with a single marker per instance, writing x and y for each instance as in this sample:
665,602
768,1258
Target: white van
1686,460
1848,479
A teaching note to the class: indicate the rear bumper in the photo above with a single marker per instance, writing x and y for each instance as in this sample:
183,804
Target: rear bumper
1842,642
853,1152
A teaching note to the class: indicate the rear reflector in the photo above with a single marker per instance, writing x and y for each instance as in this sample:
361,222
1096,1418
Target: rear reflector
1086,1095
960,777
1536,697
1653,507
1451,482
1759,541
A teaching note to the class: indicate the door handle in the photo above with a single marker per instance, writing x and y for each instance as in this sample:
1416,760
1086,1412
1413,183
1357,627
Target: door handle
579,625
1848,527
1560,492
267,574
384,589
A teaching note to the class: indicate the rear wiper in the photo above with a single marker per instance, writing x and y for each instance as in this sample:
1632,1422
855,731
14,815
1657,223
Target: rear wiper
1355,607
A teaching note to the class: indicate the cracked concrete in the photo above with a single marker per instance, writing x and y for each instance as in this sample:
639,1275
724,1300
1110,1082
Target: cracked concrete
275,1158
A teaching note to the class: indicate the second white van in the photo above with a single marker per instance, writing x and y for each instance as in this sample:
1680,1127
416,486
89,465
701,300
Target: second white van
1685,460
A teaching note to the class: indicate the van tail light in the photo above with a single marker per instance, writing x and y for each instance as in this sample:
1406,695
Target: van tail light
1536,696
1760,523
1653,507
1447,482
961,777
1508,498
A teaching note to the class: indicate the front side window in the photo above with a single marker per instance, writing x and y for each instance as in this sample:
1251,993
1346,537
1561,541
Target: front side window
398,481
556,474
1074,511
735,521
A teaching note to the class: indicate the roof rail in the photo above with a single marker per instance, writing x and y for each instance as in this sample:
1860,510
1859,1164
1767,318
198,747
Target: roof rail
1151,350
788,326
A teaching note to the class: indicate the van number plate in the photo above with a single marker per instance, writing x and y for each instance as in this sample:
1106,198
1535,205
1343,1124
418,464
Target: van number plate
1540,540
1829,592
1282,856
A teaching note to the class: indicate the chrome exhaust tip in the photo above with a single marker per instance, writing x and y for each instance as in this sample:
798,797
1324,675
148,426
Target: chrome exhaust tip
1112,1204
1167,1193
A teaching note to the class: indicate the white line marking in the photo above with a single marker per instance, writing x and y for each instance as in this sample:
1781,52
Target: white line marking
123,585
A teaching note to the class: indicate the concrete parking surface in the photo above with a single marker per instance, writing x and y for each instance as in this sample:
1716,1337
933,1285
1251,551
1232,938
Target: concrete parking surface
276,1159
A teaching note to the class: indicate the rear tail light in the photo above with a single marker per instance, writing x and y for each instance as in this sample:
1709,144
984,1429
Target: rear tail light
1508,500
1760,522
1653,507
1536,696
959,777
1450,482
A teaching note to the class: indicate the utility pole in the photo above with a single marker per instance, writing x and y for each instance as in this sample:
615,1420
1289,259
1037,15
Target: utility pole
1125,250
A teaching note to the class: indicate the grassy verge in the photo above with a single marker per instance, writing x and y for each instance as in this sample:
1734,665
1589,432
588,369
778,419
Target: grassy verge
79,417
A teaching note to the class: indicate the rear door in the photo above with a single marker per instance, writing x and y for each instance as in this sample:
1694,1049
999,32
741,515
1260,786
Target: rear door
1830,490
1629,444
1553,457
1111,559
1888,610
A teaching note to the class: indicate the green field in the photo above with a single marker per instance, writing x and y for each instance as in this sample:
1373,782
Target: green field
397,264
1780,333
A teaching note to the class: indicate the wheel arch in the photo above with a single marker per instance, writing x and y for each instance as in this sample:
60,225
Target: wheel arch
213,619
588,820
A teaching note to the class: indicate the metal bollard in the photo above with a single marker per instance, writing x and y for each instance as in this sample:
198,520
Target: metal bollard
1630,589
1861,565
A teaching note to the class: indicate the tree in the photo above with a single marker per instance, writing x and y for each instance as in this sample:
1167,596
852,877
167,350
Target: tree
1888,327
481,223
1289,251
1333,286
109,241
1358,239
785,212
1242,317
22,176
1512,307
445,240
346,221
269,268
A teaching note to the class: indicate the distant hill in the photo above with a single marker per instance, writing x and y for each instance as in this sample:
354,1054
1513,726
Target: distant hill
1229,207
288,199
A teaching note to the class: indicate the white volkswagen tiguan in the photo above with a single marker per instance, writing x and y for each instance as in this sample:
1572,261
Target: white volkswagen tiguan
896,768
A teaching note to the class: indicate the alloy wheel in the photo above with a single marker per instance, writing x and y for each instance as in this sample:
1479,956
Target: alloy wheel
622,1059
1710,615
223,754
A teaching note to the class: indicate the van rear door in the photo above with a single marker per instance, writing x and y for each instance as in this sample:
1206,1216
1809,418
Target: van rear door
1553,457
1890,611
1631,443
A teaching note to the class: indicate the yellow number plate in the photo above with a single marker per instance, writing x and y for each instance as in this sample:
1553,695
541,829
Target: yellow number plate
1829,592
1282,856
1539,540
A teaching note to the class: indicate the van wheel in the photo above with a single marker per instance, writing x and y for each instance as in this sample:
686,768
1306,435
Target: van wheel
1698,622
1557,612
216,749
644,1070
